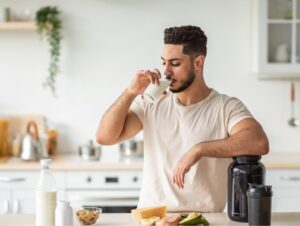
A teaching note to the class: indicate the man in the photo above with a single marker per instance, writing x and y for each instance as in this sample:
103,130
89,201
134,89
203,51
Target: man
189,134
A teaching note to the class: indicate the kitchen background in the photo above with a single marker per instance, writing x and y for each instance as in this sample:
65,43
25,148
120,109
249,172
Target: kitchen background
106,41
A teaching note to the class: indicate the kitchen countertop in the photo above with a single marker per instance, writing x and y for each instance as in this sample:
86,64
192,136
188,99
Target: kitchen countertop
282,161
125,219
73,162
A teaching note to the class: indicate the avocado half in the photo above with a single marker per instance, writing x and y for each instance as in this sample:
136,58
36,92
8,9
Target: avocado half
194,219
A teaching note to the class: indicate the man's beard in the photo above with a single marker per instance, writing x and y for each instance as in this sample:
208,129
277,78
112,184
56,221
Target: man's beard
185,84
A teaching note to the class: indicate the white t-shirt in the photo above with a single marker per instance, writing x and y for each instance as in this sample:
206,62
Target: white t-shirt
170,130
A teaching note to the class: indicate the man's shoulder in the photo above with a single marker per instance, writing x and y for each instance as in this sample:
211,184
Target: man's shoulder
224,98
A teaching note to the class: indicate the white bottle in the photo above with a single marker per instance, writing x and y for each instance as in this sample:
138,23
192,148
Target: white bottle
45,196
63,214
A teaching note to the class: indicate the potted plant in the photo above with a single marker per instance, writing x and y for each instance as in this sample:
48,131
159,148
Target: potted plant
49,25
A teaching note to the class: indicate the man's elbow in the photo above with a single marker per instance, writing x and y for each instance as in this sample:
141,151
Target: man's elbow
104,140
264,146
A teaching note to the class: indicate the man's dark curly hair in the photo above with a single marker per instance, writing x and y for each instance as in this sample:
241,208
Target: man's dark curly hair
192,38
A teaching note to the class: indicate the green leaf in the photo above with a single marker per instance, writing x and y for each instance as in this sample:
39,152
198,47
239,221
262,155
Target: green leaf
49,25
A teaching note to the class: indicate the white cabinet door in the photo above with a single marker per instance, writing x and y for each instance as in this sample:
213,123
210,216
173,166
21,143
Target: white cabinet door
23,201
286,189
286,199
104,179
277,38
18,190
5,198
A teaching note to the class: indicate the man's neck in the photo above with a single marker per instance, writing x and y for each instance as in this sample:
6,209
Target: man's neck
195,93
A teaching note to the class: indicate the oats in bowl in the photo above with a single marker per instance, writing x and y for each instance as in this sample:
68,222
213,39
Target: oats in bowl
88,215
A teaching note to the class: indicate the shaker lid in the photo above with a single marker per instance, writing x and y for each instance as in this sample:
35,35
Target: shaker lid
247,158
259,190
63,202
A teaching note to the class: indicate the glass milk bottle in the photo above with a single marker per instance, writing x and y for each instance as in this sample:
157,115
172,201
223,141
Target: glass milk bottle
45,196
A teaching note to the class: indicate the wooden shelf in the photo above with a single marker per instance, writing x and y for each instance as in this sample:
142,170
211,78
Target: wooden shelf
17,25
279,21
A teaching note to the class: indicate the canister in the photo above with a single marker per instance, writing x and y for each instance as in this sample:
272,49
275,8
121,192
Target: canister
242,171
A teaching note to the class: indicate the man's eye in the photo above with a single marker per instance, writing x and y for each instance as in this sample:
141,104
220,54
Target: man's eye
175,64
163,64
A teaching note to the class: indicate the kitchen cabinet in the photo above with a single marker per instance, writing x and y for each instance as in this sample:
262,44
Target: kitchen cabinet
112,190
277,38
17,194
23,201
286,189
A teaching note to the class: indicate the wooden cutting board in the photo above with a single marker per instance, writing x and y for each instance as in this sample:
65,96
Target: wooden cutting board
3,159
18,124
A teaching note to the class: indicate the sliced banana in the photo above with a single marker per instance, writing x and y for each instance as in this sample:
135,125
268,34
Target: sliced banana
154,218
149,221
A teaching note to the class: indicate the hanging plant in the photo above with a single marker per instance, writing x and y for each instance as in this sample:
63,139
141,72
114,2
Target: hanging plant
50,25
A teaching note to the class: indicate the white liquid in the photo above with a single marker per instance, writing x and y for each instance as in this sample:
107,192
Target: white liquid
45,208
154,92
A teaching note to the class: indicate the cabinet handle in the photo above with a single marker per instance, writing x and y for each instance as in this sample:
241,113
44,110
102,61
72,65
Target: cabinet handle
16,206
9,180
5,205
295,179
135,179
88,179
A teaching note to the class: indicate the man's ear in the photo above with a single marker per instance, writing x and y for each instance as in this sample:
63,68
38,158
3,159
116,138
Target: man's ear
199,62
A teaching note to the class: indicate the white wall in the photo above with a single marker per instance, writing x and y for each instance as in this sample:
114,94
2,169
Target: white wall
106,41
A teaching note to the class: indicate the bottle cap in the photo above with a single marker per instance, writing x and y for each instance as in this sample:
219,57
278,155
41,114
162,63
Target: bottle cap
259,190
247,158
64,202
45,163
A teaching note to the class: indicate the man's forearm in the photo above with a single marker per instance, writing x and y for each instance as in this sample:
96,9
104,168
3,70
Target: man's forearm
245,142
113,120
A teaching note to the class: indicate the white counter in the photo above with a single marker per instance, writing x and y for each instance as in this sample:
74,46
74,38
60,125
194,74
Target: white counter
124,219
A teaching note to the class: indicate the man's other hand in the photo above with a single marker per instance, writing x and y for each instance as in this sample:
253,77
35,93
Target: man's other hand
184,164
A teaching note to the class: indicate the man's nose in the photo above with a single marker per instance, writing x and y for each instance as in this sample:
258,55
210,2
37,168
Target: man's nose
167,71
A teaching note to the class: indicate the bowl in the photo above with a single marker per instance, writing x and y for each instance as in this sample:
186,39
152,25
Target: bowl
132,148
90,152
88,215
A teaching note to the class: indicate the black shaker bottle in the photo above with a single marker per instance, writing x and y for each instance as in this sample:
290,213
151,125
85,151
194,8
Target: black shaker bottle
242,171
259,205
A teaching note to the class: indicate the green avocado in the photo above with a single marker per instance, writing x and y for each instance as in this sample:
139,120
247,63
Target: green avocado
194,219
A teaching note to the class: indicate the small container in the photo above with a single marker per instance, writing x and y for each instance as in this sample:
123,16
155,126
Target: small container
90,152
63,214
259,204
88,215
132,149
242,171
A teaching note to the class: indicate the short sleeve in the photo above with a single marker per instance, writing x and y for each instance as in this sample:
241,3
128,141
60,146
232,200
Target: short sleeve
235,111
138,107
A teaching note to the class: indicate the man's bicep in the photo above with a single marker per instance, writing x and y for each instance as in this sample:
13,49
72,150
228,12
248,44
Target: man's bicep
132,126
246,124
